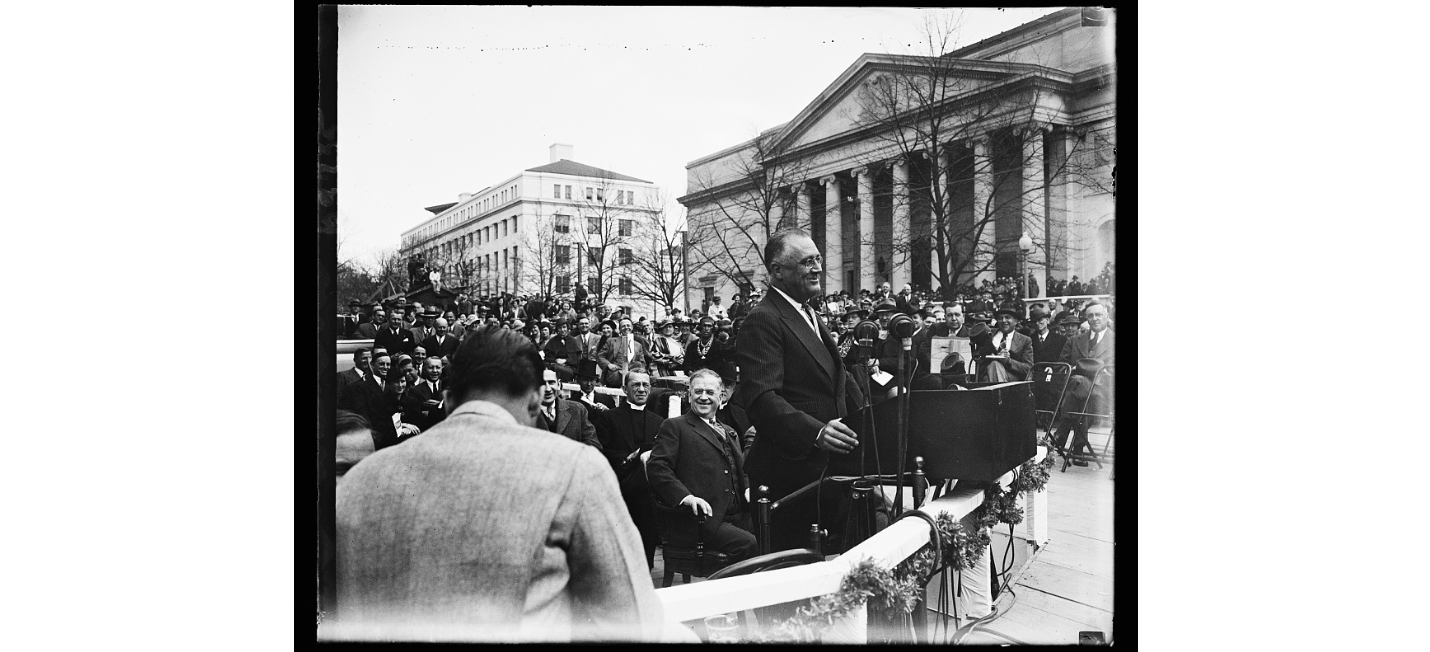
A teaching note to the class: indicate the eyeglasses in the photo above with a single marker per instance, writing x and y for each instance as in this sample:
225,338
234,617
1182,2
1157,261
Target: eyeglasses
811,261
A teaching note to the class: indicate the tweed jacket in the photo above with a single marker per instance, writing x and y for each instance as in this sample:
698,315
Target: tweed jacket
484,529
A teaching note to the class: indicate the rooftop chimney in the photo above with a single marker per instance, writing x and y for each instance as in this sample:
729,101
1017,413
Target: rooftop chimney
560,151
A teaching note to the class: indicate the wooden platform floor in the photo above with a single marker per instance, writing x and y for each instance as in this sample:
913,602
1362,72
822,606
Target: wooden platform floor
1066,588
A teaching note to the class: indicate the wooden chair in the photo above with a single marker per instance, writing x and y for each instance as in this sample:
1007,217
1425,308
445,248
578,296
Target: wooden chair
687,561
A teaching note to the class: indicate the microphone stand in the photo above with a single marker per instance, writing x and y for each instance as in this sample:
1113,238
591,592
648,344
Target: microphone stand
903,423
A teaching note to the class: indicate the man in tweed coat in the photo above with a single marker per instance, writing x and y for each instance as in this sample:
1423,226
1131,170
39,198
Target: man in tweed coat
487,529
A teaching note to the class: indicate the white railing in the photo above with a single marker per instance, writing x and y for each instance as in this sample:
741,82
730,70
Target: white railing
688,602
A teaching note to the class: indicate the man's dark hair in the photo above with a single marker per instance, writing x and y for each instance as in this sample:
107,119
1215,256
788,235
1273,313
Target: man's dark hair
496,359
360,351
348,421
779,242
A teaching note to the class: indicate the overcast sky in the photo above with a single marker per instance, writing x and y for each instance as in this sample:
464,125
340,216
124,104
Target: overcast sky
436,101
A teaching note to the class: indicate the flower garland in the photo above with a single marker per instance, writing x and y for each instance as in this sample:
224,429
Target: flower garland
896,591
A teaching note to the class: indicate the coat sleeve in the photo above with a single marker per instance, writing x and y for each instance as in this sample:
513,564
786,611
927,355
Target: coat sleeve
762,376
606,353
1022,360
588,431
660,470
611,593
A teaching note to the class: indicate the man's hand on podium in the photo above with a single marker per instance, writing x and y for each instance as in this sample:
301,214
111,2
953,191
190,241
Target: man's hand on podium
836,437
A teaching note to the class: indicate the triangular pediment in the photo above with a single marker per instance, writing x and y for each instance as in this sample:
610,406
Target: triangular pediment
844,106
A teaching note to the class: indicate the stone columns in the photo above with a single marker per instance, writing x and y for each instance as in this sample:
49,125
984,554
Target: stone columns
986,246
833,236
867,281
902,264
1034,218
803,218
942,163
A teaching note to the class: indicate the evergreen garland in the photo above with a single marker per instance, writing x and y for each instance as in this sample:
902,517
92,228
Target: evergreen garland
893,593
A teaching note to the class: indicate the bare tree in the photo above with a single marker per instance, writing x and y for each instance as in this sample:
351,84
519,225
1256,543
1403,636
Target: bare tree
745,201
604,224
964,205
548,249
657,271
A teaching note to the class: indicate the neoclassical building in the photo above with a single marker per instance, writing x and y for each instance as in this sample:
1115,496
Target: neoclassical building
542,230
992,160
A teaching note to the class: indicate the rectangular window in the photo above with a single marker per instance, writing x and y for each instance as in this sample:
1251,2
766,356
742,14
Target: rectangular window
563,224
516,225
590,193
625,256
593,257
503,228
568,192
593,284
627,227
563,254
593,225
563,283
556,191
600,194
625,285
620,196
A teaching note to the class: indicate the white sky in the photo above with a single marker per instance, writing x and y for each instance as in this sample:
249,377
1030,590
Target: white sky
436,101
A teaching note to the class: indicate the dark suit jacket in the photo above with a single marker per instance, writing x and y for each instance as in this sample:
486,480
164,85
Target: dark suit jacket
402,342
446,349
1080,346
366,331
421,393
562,351
688,459
791,384
1020,355
1050,350
887,351
572,422
347,379
350,327
622,431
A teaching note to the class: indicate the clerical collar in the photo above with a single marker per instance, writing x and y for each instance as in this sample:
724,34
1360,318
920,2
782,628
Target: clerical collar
636,407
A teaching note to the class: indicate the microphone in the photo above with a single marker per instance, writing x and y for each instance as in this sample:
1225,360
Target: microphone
864,334
902,327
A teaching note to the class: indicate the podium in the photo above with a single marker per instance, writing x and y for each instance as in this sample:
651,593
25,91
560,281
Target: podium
973,435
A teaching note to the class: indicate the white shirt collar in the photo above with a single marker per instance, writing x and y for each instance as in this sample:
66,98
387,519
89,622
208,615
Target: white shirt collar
635,407
797,308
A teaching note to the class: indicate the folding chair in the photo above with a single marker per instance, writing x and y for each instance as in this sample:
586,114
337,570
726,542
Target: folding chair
1050,385
1102,379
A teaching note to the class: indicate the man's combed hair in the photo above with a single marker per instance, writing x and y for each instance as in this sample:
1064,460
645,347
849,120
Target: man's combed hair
496,359
705,372
778,242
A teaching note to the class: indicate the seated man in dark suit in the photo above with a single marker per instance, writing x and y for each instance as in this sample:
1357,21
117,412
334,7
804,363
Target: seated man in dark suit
427,394
1047,345
562,352
563,417
697,464
1087,353
441,344
625,433
362,359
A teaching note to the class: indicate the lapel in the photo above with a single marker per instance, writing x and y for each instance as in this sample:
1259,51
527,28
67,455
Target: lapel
817,346
705,431
563,416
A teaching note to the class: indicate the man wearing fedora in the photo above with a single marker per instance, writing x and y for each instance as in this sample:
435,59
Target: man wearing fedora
587,375
1047,344
1008,354
1087,352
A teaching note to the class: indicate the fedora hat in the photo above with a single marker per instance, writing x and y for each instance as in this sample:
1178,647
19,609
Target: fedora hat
887,305
1008,310
859,312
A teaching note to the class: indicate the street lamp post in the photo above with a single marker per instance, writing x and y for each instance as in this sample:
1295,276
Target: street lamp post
1025,245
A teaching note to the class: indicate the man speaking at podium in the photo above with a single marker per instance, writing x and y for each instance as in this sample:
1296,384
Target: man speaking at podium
792,387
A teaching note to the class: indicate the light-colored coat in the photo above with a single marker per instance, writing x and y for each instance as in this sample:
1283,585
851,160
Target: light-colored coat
483,529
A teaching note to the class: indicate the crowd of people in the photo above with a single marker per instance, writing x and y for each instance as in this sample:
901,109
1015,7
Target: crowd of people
763,401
